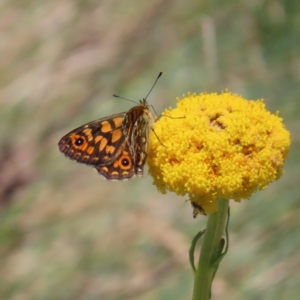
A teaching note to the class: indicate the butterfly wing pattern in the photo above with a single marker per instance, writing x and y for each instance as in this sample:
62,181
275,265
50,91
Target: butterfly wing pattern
116,146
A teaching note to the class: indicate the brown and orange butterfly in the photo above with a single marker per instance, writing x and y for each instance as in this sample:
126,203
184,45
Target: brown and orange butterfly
116,146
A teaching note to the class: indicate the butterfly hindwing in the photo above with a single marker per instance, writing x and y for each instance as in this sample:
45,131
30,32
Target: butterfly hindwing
122,167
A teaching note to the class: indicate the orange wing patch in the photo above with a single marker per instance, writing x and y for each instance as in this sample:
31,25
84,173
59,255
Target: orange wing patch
106,127
103,144
117,134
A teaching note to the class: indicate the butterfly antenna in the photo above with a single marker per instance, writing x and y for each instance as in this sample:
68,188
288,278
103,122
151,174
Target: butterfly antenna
116,96
160,73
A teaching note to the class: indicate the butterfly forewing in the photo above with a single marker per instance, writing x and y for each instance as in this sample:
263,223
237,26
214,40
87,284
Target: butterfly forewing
96,143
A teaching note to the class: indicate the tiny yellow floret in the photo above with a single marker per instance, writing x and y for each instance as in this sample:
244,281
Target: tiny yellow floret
217,146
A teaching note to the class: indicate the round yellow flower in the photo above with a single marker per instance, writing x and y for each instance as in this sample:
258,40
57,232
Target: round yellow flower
217,146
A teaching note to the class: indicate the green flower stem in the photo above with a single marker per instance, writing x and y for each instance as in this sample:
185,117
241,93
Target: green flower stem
211,252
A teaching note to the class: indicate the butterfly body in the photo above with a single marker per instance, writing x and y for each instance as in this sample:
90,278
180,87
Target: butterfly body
116,146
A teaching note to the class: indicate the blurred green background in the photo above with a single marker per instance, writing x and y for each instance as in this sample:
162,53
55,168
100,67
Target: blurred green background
67,233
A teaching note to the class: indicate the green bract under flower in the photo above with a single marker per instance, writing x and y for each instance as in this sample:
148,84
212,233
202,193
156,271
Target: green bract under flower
217,146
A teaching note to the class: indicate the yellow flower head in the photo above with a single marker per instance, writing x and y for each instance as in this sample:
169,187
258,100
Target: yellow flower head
217,146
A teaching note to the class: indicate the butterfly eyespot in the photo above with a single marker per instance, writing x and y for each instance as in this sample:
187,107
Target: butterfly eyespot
79,141
125,162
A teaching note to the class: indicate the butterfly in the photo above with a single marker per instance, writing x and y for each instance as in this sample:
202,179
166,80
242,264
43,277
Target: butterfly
116,146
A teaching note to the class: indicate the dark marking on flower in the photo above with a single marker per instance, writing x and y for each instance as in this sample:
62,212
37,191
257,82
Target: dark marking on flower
197,209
